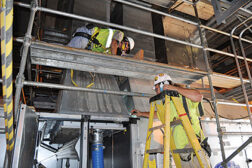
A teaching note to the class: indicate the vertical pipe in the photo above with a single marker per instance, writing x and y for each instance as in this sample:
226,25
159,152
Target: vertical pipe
97,150
244,55
26,45
203,43
239,69
108,5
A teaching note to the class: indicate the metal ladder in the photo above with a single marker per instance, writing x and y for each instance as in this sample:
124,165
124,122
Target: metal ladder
169,144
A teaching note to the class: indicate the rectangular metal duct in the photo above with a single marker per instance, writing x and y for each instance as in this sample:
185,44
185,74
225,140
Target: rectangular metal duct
101,105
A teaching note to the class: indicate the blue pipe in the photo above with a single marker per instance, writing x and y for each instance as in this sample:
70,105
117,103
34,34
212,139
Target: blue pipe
97,155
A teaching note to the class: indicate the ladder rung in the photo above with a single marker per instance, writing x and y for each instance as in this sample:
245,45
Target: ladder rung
152,151
157,127
185,150
176,122
173,123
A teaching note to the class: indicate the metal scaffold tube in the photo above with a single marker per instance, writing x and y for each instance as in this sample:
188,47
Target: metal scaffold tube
203,43
102,91
177,18
83,89
244,55
154,11
239,69
26,45
126,28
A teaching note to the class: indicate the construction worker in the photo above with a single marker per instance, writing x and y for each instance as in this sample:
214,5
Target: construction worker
192,103
102,40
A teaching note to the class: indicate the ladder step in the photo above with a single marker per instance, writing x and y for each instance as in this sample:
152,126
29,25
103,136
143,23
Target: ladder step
157,127
153,151
185,150
176,122
173,123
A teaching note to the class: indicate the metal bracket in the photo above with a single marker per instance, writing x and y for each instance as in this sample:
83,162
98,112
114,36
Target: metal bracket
34,5
20,80
27,40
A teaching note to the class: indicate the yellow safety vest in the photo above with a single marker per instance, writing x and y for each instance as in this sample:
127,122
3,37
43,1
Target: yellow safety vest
104,37
178,132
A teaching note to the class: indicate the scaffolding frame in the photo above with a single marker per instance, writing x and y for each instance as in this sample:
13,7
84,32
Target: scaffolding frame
27,41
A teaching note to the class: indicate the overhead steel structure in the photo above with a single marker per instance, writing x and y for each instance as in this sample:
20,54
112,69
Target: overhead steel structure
28,43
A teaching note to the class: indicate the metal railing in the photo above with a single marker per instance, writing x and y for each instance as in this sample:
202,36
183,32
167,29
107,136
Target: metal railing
239,68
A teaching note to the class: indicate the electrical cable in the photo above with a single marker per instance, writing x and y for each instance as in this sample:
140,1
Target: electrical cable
211,105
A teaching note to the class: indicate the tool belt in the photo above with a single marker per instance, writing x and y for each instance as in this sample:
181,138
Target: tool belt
206,147
186,157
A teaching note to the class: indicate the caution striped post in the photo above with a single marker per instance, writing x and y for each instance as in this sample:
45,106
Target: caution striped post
6,53
3,35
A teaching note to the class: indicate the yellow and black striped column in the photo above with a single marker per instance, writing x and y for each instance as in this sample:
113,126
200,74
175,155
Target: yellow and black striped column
6,52
3,35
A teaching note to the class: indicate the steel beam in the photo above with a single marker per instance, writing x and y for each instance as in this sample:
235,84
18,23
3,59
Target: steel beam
234,6
217,7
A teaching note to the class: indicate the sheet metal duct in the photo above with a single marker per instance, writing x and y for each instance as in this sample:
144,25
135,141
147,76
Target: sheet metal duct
103,105
25,140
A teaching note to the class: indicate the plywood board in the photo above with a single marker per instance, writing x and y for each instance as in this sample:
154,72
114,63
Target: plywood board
205,10
226,111
177,29
223,81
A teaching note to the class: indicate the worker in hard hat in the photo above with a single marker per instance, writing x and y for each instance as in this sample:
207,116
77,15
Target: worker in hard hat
102,40
192,103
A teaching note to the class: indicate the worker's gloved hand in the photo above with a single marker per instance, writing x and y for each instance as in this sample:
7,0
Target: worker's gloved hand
136,113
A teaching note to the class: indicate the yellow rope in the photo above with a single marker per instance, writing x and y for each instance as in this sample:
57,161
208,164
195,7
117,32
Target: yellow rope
73,82
89,85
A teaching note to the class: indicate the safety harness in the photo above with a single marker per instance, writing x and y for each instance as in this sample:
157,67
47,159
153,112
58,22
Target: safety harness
203,143
91,38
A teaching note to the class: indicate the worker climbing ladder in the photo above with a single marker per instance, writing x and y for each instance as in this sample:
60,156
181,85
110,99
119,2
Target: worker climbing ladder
169,144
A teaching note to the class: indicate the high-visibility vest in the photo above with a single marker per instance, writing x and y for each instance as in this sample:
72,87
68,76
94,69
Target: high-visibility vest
178,132
104,37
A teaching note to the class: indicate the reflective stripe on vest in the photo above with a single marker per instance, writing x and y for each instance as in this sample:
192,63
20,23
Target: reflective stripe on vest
110,36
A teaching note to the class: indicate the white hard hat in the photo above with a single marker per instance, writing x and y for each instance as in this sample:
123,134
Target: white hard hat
162,77
131,42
